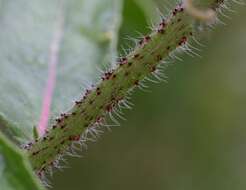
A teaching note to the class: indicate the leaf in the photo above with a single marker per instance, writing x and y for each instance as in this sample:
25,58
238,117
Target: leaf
149,8
27,30
154,9
15,171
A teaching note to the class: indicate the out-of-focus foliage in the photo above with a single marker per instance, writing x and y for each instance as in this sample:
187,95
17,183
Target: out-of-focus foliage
27,32
187,134
15,171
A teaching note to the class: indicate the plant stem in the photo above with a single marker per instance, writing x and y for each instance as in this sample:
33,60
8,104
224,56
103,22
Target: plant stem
82,120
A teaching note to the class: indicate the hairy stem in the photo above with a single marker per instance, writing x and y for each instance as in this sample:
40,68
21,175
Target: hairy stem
75,126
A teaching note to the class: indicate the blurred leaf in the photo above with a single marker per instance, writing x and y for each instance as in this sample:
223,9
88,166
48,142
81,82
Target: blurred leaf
130,27
15,172
153,9
27,31
149,8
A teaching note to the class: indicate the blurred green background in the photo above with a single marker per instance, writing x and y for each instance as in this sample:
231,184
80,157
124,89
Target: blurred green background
186,134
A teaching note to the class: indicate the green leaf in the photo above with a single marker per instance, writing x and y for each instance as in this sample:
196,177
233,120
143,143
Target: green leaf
149,8
153,9
27,32
15,171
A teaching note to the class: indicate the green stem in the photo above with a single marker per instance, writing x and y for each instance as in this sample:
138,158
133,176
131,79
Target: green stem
112,90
